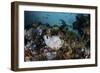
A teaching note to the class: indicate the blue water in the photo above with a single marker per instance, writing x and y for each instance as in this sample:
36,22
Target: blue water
51,18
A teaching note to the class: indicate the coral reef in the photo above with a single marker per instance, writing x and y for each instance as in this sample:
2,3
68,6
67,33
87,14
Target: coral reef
46,42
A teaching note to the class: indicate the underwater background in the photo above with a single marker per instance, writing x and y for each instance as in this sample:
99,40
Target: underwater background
52,18
56,36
